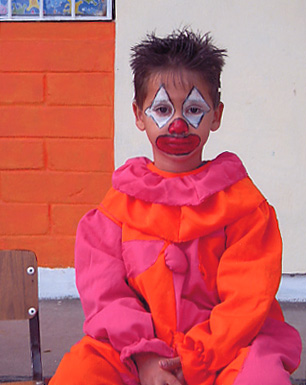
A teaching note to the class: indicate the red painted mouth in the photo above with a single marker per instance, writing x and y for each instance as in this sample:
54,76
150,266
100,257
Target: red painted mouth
178,145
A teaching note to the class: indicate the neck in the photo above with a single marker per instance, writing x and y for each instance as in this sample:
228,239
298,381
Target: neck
176,164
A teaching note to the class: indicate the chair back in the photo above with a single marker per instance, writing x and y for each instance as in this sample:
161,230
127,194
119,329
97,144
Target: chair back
19,299
18,284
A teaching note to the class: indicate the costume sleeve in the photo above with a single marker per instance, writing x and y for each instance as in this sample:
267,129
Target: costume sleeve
247,280
113,312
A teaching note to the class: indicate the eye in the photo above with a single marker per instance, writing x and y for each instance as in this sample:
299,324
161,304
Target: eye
163,110
194,110
195,107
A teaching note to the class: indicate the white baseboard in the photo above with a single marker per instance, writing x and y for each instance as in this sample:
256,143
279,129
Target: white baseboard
60,283
56,283
292,288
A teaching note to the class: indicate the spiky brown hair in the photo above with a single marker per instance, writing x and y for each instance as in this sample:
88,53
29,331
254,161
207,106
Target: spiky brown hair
182,49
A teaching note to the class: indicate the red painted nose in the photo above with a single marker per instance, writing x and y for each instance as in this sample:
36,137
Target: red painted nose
178,126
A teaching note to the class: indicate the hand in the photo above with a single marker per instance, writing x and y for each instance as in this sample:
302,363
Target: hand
174,366
151,373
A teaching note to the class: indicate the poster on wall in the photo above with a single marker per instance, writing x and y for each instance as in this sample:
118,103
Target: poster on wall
31,10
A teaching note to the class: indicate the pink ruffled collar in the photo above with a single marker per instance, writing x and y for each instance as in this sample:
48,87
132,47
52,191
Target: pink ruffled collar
140,179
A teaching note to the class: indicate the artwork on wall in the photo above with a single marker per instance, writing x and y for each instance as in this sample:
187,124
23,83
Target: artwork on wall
46,9
3,7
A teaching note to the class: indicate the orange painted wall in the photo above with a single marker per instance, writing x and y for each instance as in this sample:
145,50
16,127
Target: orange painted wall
56,132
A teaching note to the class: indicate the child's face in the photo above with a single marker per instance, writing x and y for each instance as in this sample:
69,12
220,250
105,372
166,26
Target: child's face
177,116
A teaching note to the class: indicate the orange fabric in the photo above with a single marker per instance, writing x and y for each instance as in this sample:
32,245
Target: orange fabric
167,174
91,362
210,247
155,285
239,257
187,222
247,279
228,375
276,311
132,234
141,215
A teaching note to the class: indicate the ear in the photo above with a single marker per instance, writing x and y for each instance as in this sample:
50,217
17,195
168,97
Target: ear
218,111
139,115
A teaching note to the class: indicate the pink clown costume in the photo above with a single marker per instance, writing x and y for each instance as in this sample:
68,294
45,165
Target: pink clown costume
183,265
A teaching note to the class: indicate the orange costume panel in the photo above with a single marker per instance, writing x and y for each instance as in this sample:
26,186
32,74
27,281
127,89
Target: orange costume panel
182,264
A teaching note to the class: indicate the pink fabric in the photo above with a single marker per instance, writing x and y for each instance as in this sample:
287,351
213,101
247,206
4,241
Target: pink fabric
274,354
104,263
136,180
140,255
105,294
193,297
176,260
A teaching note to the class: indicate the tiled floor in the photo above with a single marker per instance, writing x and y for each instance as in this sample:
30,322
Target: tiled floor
61,326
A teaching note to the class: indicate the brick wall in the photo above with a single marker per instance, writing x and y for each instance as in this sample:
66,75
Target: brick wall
56,132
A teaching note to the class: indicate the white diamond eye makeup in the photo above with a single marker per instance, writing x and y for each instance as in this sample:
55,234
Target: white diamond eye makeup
195,107
161,110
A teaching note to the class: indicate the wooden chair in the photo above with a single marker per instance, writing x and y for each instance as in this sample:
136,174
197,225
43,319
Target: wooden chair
19,301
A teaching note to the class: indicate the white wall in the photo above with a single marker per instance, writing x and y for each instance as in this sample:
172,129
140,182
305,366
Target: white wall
264,84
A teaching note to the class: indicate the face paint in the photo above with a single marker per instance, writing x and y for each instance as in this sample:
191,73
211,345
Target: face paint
179,141
195,107
178,145
178,127
161,109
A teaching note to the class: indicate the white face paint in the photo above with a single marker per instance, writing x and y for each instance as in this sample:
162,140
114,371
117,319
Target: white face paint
161,110
195,107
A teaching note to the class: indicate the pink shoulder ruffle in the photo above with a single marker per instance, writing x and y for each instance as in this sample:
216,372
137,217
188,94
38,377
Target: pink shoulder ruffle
136,179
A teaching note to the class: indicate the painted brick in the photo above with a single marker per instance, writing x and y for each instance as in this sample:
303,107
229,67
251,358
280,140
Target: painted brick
21,88
60,55
80,155
23,219
54,187
65,218
51,251
21,154
80,89
58,31
57,92
85,121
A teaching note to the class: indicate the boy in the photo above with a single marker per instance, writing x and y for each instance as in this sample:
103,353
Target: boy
178,267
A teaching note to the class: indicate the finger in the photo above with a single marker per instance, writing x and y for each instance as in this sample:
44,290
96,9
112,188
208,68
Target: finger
180,376
170,363
169,379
